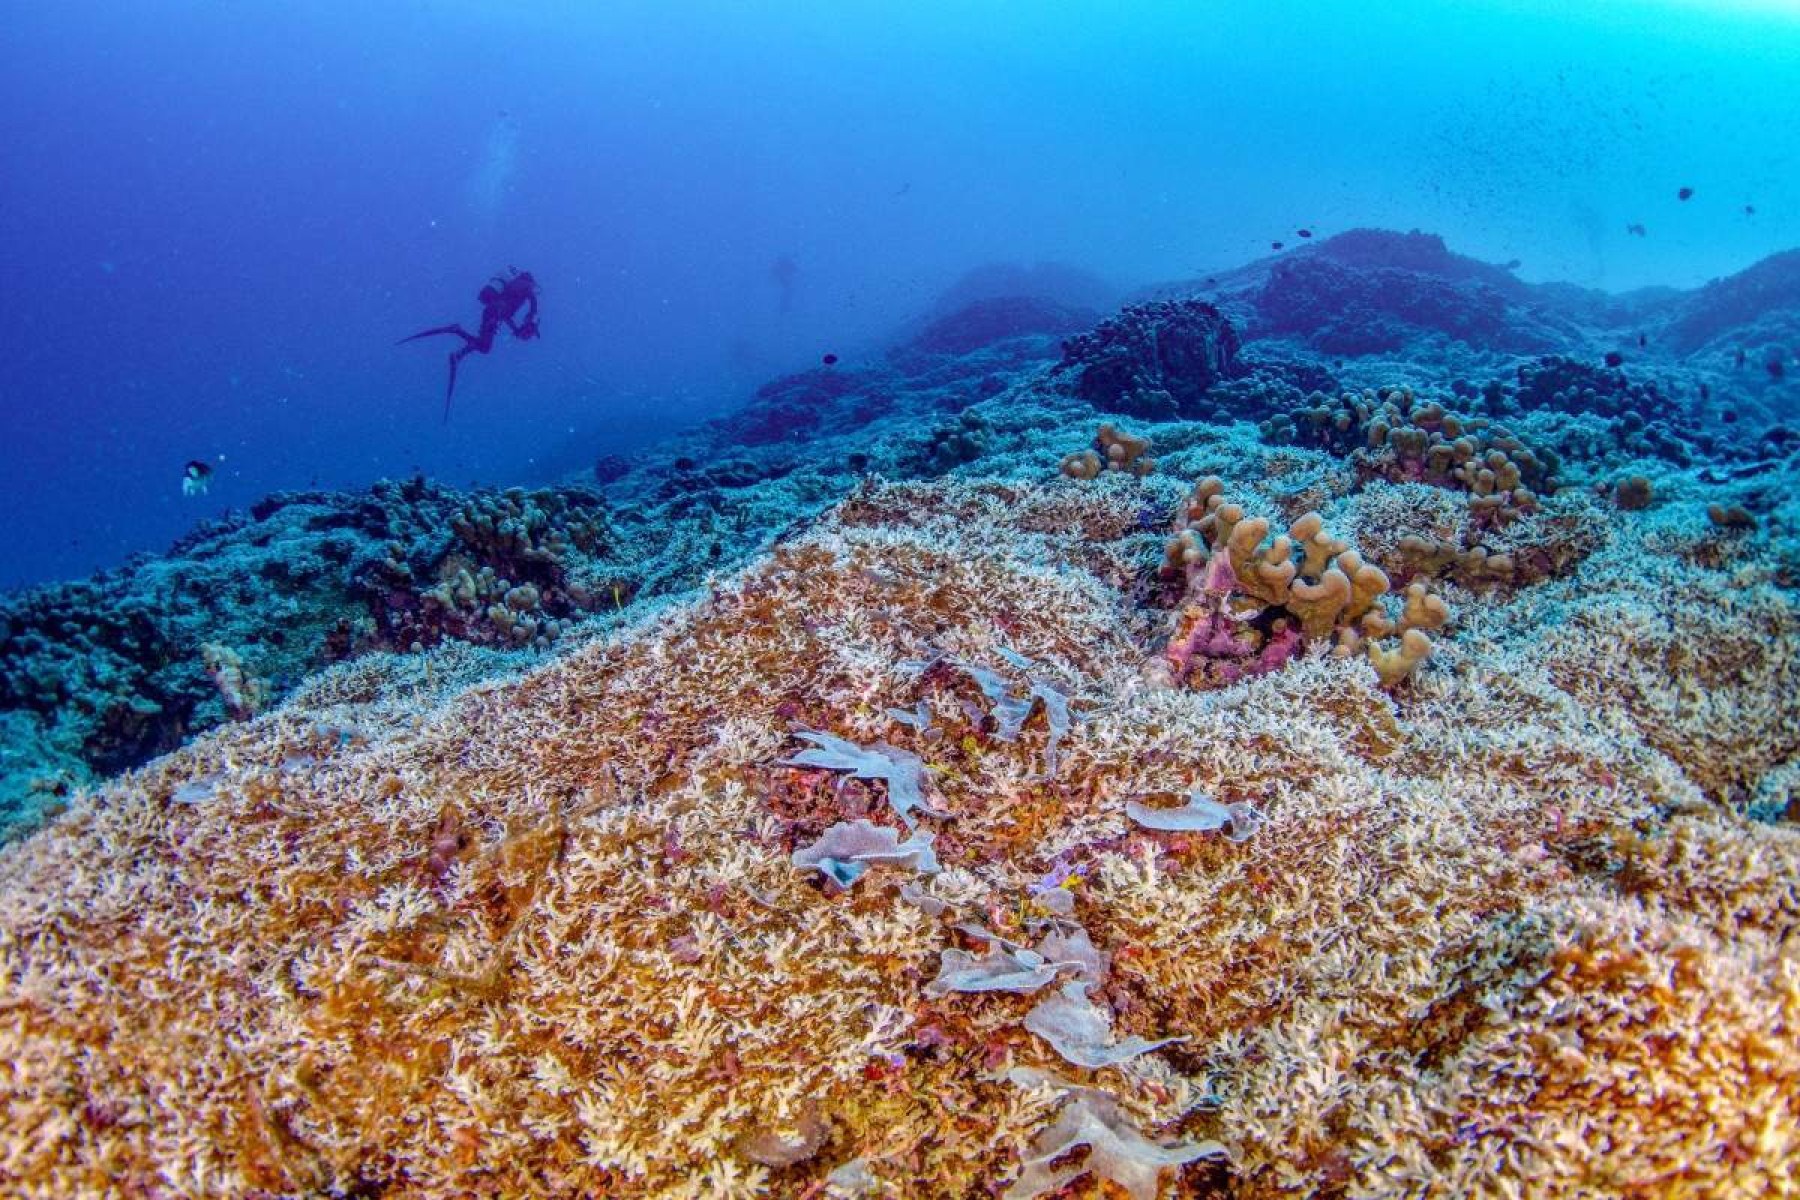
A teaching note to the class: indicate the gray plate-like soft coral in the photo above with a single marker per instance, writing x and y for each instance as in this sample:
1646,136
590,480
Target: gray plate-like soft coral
902,771
849,848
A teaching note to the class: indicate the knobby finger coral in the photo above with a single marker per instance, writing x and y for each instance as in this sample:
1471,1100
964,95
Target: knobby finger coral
1251,603
1113,450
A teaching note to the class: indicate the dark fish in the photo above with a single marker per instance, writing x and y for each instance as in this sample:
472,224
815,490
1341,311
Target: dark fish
829,360
1706,392
1749,210
1634,229
1614,358
1776,368
1274,245
1513,264
1738,358
1302,233
1685,193
1642,341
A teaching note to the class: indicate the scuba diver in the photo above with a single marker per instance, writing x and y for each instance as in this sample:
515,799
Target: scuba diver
500,300
196,477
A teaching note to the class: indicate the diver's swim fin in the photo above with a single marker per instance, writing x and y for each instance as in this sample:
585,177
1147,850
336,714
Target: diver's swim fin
450,387
425,333
455,356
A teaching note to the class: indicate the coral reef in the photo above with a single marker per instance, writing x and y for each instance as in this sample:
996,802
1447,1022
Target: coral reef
949,444
1399,437
797,406
1737,311
546,936
997,319
1340,310
101,675
522,568
1379,292
1514,529
1632,418
844,802
100,669
1266,387
113,671
1153,360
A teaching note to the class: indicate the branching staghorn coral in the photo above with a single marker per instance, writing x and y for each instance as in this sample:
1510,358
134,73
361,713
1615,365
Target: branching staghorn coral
1468,953
1008,713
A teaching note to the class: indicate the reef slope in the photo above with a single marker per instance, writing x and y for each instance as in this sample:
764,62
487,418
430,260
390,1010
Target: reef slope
1500,931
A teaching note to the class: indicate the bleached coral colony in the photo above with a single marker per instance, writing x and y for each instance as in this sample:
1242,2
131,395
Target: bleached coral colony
1344,813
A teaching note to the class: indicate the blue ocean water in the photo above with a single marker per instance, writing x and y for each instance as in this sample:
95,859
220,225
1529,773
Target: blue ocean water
218,218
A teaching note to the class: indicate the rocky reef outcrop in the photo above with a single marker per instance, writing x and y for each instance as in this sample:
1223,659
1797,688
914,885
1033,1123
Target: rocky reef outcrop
1371,292
1153,360
795,405
998,319
1757,310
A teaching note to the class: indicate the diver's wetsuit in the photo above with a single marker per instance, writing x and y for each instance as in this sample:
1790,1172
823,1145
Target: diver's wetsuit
500,300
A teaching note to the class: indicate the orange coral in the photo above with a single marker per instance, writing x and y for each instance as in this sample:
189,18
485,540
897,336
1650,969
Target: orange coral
1113,450
1248,601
